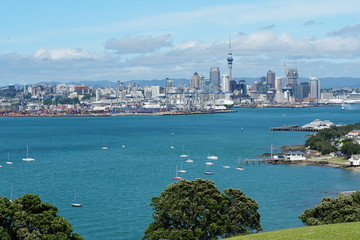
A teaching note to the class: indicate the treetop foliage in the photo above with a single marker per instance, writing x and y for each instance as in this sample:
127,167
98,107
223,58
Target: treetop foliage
198,210
28,218
344,208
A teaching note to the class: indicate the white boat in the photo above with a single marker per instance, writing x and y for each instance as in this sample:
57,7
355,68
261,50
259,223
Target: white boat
209,163
183,155
8,161
189,161
123,146
176,175
181,170
226,166
27,158
212,157
75,203
239,168
208,172
104,147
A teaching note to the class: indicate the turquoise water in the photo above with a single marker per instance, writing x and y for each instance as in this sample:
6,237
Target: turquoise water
116,185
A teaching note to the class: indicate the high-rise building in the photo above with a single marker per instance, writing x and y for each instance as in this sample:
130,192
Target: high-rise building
270,78
304,90
314,88
291,76
225,83
195,81
278,84
214,79
242,87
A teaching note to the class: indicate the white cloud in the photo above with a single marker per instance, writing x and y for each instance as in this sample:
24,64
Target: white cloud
63,53
144,44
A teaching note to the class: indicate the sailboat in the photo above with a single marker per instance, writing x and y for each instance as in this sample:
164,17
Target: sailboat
189,160
176,176
75,203
27,158
104,147
239,168
208,172
8,161
181,170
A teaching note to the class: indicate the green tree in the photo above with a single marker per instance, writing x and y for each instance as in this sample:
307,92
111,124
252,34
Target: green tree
198,210
348,148
29,218
343,208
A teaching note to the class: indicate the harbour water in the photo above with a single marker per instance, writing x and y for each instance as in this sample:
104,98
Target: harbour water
116,185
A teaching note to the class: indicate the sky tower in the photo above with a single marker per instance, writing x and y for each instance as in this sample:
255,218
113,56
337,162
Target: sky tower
230,60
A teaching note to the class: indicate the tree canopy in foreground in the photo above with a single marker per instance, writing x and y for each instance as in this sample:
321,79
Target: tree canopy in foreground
198,210
28,218
344,208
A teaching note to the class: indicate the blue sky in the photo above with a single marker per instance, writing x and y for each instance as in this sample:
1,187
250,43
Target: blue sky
128,40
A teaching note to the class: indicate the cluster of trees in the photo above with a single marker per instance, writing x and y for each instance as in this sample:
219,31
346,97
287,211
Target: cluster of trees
343,208
62,101
324,141
28,218
198,210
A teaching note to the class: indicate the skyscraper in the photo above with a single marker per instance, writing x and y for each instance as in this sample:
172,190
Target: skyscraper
225,83
291,76
214,79
270,78
195,81
314,88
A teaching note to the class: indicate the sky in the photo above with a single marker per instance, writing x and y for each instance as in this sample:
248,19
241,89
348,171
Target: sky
116,40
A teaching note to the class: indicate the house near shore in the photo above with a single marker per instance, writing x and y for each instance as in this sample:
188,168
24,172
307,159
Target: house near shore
295,155
355,160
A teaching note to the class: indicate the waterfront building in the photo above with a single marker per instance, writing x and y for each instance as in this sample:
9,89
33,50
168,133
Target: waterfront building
270,78
314,88
225,83
214,79
195,81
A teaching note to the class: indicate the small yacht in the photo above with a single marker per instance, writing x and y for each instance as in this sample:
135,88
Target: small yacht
212,157
209,163
183,155
226,166
239,168
189,161
27,158
208,172
8,161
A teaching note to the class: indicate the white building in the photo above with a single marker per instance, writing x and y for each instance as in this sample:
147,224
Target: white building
295,155
314,88
355,160
225,83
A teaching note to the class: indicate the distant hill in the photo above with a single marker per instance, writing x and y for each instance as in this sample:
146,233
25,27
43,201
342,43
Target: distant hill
327,82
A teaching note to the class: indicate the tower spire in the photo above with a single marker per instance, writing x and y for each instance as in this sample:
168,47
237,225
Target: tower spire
230,59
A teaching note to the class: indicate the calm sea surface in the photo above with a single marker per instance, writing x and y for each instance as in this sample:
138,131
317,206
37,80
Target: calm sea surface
116,185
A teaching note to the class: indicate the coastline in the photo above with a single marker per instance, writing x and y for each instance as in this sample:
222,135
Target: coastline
312,159
167,113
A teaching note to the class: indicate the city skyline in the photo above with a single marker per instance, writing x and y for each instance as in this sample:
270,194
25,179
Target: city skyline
90,40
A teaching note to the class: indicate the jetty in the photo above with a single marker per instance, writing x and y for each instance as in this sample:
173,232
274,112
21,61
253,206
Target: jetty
294,128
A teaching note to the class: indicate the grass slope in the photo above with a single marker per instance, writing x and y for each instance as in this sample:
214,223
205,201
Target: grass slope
342,231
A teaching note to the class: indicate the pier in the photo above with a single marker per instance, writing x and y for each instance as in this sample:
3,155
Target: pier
294,128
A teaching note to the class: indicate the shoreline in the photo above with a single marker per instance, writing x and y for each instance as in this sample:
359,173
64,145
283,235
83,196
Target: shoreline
322,161
168,113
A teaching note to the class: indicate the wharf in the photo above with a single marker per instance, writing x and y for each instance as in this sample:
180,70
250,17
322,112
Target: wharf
294,128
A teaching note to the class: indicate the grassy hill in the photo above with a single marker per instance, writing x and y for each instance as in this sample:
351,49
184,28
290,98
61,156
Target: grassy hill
342,231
